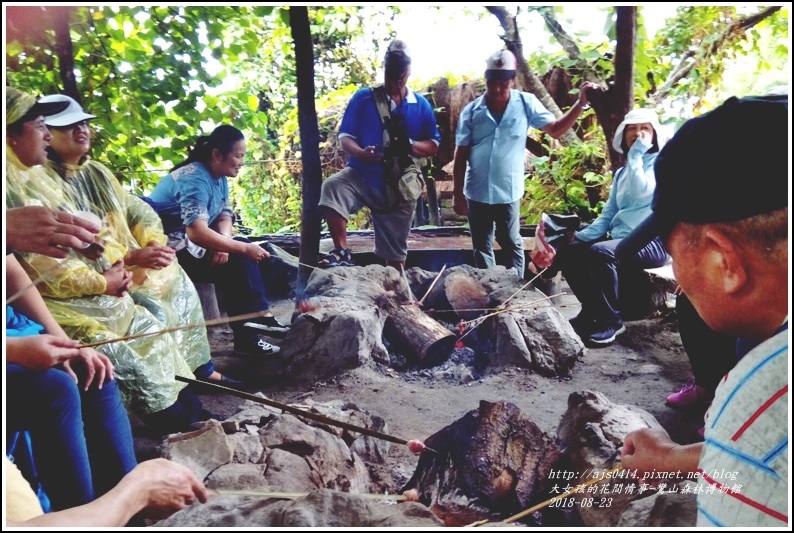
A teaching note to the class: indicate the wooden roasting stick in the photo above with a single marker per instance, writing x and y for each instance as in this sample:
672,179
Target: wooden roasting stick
421,302
548,502
213,322
295,495
299,412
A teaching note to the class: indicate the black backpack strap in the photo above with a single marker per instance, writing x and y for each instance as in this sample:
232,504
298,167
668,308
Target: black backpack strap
382,104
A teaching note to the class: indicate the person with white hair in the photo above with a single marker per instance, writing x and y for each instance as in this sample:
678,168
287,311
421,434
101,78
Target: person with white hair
590,265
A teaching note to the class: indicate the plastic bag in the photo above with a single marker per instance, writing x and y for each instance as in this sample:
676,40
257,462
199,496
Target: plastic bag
542,253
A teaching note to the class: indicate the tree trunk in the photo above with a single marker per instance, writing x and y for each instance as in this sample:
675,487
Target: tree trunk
64,49
310,143
621,95
525,78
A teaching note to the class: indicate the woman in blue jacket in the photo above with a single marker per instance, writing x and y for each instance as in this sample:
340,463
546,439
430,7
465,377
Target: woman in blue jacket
589,263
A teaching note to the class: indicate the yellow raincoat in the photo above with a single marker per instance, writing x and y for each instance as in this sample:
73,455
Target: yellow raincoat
74,287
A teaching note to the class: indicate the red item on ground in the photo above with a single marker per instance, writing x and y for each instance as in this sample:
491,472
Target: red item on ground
411,495
416,446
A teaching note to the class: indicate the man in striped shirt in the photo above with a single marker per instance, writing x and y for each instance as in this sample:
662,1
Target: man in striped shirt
721,205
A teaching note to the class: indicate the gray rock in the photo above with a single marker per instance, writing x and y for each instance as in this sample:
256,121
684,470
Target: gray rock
591,433
238,477
328,455
668,509
321,508
202,451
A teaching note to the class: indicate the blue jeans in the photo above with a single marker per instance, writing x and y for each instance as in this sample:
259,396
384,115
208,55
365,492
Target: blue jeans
82,441
487,220
591,270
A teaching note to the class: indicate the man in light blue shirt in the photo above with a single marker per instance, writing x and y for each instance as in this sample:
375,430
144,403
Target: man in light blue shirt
489,159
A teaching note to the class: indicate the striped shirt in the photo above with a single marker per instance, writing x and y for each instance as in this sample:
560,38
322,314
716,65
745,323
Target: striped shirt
744,465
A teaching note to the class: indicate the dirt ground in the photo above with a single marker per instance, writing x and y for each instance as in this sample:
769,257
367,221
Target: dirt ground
641,368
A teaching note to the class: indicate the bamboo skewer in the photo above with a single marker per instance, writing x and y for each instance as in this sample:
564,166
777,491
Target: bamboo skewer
480,320
299,412
213,322
432,284
548,502
295,495
513,308
524,286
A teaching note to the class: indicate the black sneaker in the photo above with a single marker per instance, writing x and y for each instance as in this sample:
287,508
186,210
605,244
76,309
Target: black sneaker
256,347
268,326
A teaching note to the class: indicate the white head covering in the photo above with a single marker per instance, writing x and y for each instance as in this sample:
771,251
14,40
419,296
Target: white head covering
500,65
638,116
398,45
71,115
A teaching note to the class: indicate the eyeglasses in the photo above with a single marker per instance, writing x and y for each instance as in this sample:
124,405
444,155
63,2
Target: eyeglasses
81,124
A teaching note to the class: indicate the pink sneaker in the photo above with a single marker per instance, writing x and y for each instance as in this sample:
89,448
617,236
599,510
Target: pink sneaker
690,397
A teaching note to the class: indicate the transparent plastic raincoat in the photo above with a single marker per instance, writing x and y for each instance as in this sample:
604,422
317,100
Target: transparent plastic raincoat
73,287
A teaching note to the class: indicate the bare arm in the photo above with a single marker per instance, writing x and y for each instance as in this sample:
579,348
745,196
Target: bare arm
200,233
564,123
650,450
367,153
30,303
459,176
157,487
424,148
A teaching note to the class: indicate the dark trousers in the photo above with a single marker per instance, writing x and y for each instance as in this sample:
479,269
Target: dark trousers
711,354
82,441
240,279
502,221
591,270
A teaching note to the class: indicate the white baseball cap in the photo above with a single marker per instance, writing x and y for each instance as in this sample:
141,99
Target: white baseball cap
500,65
71,115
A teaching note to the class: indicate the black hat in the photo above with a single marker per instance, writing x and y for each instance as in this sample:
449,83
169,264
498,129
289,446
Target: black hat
45,109
725,165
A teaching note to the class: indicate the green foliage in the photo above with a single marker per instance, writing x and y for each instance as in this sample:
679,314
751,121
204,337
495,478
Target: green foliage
699,28
565,182
159,76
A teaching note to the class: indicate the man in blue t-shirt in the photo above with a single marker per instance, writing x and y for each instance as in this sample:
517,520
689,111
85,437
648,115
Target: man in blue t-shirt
489,154
361,183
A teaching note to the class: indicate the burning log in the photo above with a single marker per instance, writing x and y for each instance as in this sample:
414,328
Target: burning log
491,463
410,328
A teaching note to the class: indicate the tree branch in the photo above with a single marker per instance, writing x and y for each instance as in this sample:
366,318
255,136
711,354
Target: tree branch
693,58
558,32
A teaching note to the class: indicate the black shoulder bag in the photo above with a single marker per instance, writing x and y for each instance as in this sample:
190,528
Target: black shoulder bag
403,175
